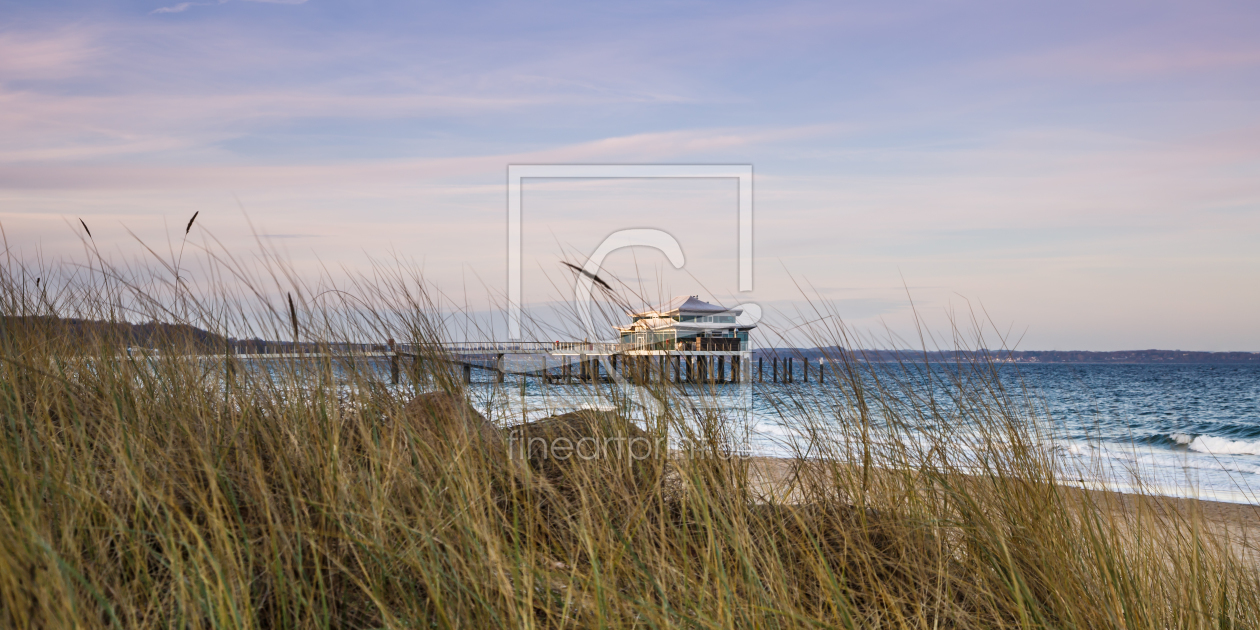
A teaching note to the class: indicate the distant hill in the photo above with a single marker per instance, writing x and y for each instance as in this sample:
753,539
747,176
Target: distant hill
1033,356
85,332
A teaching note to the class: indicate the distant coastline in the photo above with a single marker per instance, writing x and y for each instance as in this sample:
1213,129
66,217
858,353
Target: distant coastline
1118,357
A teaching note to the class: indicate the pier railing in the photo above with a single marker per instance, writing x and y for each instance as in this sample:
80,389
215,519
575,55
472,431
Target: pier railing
527,347
585,347
485,348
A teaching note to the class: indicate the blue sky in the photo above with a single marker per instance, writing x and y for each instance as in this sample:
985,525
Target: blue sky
1089,172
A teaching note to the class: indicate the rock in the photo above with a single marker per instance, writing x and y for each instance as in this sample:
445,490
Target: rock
589,450
445,415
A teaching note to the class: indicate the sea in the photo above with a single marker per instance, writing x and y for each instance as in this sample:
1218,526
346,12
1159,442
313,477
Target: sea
1187,430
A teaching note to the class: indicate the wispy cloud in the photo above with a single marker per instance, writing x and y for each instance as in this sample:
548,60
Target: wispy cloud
184,6
47,55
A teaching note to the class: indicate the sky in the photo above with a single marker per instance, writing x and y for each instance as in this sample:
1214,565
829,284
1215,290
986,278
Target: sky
1083,175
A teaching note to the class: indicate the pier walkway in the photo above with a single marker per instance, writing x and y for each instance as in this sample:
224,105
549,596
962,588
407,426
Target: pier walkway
704,361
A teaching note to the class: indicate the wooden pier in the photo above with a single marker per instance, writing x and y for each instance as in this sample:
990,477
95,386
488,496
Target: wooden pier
598,361
574,361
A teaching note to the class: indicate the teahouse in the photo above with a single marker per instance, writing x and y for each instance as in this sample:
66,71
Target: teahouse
687,323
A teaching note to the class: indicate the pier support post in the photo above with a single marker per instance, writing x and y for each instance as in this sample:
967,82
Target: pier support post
821,371
776,369
721,371
467,374
393,369
691,369
805,364
789,367
761,370
498,368
735,370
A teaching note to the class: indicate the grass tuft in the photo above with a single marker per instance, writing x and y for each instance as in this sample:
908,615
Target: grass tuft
161,481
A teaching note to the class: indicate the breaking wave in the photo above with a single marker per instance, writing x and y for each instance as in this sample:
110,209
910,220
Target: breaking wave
1223,446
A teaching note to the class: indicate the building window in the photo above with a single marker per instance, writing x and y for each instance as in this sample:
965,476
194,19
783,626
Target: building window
709,319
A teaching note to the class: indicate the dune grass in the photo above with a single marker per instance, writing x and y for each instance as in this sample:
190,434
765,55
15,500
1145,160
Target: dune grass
157,490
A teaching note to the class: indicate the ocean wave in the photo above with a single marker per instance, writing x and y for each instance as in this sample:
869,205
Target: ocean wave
1210,444
1222,446
1134,458
1238,429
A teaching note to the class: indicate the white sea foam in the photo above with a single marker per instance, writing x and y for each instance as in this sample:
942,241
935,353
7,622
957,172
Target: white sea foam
1182,438
1222,446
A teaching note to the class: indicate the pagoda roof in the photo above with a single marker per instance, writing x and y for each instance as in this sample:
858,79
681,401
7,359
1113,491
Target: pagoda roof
686,304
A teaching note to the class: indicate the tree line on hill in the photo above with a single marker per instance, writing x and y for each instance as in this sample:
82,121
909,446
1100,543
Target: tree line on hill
90,334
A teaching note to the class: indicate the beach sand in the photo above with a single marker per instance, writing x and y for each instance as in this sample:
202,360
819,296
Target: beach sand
771,479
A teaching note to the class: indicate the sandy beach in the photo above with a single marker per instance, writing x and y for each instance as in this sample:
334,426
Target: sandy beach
1236,522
